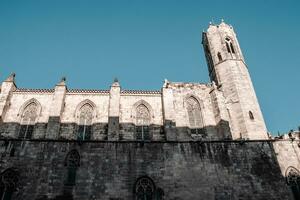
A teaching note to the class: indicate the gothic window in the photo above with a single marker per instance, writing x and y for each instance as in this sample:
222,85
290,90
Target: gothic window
85,122
144,189
229,45
195,116
220,56
28,120
72,162
142,123
251,115
8,183
293,180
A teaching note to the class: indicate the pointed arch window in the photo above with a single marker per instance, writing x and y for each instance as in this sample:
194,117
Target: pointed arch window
28,120
229,45
8,183
293,180
195,116
144,189
72,162
85,122
142,122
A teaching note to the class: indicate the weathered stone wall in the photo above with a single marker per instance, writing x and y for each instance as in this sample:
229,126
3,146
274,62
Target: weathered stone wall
114,112
231,73
19,99
108,170
230,112
181,92
73,102
288,154
128,103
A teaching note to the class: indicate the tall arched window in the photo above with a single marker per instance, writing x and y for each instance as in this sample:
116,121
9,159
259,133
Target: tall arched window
72,162
142,122
8,183
229,45
293,180
195,116
85,122
144,189
28,120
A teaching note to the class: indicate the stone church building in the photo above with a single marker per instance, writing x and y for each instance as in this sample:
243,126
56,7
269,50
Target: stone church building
185,141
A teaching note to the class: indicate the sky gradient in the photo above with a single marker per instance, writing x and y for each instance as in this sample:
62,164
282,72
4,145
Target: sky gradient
143,42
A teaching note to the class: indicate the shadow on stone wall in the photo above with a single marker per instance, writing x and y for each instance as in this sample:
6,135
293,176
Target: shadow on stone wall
212,170
125,131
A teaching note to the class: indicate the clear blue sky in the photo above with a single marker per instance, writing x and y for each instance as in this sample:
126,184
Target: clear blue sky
143,42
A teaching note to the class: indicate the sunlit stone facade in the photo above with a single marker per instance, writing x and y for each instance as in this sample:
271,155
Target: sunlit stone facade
182,141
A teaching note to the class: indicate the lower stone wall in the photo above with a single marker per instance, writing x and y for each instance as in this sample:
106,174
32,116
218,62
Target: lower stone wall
109,170
288,154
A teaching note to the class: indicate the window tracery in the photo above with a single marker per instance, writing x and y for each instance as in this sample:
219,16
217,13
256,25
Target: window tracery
28,120
251,116
144,189
194,115
293,180
220,57
142,122
85,122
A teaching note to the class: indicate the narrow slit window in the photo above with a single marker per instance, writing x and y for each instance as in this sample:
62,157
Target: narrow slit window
220,56
251,115
228,48
231,47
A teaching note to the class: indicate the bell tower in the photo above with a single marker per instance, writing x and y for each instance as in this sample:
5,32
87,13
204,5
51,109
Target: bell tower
227,68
